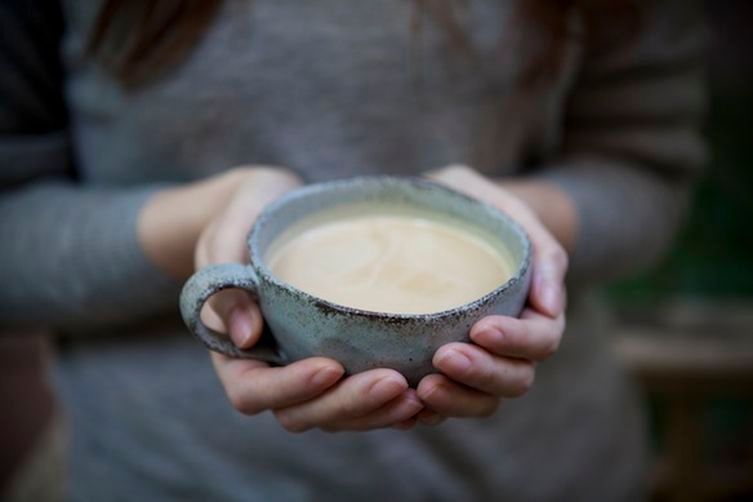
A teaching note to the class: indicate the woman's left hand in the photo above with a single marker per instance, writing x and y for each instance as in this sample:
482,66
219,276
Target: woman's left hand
501,361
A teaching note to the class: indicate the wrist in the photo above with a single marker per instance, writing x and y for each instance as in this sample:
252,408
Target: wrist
171,221
553,206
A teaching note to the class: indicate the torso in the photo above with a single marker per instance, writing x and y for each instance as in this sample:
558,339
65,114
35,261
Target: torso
331,89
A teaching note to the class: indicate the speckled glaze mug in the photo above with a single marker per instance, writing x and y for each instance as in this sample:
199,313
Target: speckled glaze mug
299,325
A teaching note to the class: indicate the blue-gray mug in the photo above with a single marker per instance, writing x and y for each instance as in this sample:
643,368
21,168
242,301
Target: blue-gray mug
299,325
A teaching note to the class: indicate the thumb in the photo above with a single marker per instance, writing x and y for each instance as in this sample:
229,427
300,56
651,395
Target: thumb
238,314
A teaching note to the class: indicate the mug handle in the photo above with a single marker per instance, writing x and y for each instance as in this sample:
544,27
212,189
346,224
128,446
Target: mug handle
208,281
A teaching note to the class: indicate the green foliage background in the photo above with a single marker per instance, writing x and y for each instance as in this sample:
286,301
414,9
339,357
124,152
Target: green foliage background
713,256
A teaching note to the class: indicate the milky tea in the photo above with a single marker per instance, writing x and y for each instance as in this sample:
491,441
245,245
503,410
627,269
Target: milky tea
386,259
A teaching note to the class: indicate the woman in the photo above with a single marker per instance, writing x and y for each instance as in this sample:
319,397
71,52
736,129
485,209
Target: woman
579,118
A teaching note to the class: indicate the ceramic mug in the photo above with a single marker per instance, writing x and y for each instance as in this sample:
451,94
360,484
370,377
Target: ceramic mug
299,325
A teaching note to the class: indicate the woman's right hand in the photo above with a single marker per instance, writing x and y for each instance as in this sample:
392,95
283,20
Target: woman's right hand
306,394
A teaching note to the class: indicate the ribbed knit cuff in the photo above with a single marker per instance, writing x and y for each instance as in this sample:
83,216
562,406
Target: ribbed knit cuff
114,264
71,255
627,216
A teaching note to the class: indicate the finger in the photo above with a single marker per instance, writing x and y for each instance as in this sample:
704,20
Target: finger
547,287
430,417
228,244
354,397
252,386
201,253
224,239
233,311
452,175
452,399
475,367
534,336
549,257
400,410
550,261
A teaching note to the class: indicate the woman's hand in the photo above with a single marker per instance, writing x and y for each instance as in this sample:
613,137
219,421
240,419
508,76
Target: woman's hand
305,394
502,358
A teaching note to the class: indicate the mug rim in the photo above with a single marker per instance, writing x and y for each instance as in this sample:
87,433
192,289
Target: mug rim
265,273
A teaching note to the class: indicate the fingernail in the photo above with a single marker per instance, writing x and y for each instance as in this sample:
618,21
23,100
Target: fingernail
386,387
326,375
430,391
455,360
240,327
491,336
410,395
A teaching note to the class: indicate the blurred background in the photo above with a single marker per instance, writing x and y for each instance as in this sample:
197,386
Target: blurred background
687,325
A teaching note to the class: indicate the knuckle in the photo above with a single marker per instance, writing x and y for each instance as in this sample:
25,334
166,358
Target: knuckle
262,173
486,375
272,173
241,169
519,335
525,382
550,347
457,169
450,169
238,172
561,323
290,423
433,395
347,406
241,403
559,257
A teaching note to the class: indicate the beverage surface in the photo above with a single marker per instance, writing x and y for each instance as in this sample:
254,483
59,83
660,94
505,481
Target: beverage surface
396,263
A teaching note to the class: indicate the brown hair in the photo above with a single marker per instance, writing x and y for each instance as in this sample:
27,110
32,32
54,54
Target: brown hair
137,40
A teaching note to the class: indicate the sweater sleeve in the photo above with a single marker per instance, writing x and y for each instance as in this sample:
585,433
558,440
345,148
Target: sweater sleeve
69,253
632,146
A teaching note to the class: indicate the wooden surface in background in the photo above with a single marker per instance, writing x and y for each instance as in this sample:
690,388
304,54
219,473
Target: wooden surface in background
686,354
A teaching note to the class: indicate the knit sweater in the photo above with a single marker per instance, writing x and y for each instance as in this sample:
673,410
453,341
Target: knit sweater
332,89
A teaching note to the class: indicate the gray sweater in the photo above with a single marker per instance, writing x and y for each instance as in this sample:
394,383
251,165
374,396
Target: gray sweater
328,89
